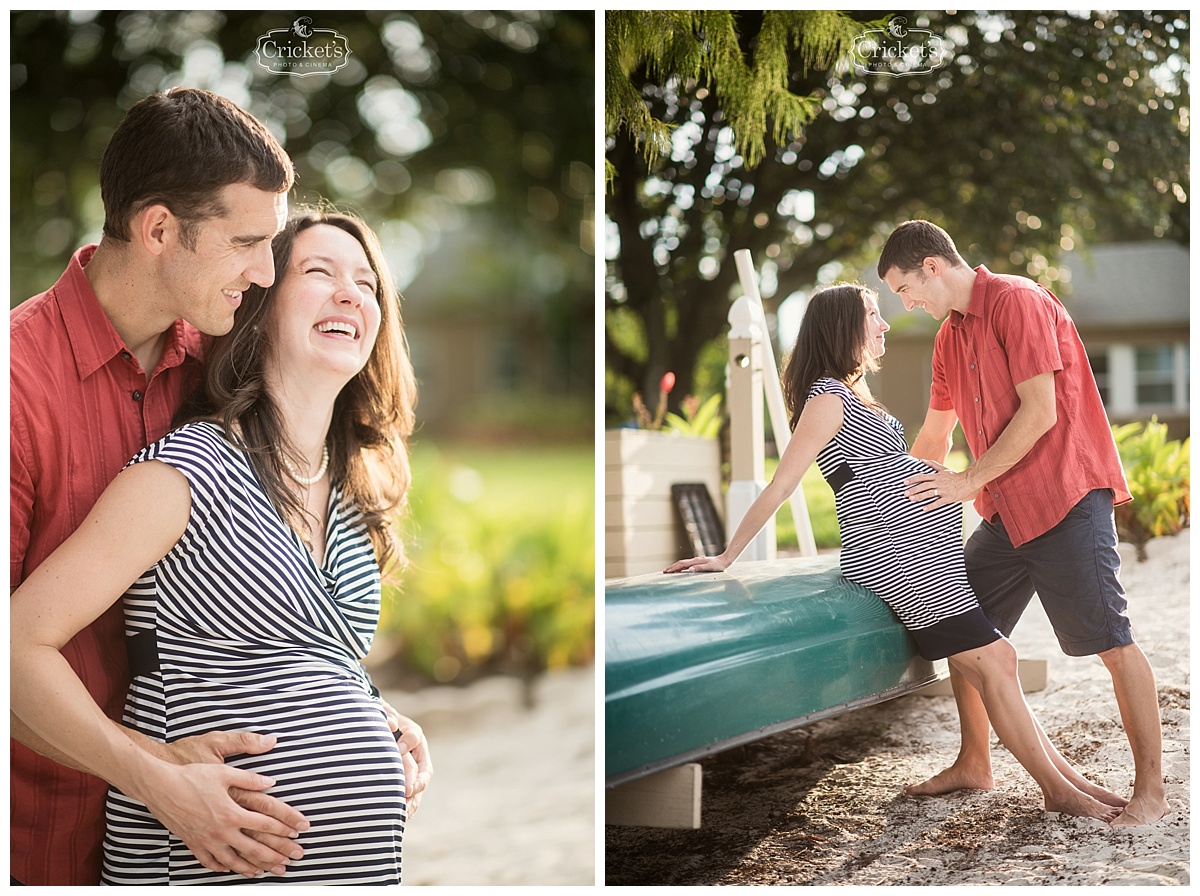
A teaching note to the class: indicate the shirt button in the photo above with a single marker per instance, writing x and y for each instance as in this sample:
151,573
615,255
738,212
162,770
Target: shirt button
996,496
126,356
977,401
137,394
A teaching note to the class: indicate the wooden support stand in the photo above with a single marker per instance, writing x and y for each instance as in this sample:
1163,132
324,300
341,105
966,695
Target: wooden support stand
1033,675
668,799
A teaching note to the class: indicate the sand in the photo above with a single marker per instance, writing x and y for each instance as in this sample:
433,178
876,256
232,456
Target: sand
513,796
822,805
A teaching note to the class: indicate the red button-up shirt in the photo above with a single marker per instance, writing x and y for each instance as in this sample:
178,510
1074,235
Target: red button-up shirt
81,407
1015,329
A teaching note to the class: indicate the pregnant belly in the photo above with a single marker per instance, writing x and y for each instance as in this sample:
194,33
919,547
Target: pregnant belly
335,761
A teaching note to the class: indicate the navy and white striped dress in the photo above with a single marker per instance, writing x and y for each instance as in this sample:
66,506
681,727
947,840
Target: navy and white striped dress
909,556
253,635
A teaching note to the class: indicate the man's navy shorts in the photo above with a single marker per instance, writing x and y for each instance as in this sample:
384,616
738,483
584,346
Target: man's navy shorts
1073,569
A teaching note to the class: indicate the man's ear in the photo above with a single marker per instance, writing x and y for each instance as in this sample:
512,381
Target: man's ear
932,266
155,228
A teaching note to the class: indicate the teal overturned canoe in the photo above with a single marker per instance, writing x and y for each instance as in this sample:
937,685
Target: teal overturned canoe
696,663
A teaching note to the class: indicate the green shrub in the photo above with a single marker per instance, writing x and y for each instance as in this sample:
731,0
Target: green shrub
699,419
501,564
1159,476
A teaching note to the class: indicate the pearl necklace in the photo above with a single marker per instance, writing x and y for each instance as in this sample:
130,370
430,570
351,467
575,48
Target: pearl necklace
308,480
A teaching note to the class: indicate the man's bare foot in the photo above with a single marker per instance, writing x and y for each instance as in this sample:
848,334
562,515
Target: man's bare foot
1139,811
951,779
1073,802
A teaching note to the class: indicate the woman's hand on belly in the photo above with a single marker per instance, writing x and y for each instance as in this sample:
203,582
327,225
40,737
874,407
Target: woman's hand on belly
418,764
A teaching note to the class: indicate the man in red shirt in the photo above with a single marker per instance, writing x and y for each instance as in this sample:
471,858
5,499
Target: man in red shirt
194,189
1009,366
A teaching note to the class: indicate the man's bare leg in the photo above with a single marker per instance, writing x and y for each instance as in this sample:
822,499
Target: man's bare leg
1137,700
992,671
972,770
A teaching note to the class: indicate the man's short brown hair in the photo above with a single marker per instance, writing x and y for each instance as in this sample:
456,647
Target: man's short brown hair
180,148
911,243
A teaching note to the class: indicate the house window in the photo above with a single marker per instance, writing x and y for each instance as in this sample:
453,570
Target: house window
1143,379
1099,364
1154,367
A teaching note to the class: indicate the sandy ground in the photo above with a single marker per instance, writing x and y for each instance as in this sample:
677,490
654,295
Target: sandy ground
514,786
821,805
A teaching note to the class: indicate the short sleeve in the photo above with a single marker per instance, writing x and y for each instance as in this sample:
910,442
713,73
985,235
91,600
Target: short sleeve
939,388
1025,323
829,386
200,452
20,494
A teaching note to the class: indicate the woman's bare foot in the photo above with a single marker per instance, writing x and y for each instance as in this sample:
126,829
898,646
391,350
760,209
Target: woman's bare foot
1138,811
1096,792
956,777
1073,802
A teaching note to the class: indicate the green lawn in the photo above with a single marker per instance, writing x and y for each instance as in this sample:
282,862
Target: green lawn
500,478
821,513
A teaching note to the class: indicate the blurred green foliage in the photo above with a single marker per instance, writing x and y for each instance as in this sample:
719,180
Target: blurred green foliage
698,418
501,563
1159,475
822,513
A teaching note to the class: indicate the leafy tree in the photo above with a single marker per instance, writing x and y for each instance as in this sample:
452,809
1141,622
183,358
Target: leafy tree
1039,132
690,96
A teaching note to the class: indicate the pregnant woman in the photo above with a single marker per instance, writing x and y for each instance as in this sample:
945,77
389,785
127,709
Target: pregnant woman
250,541
909,556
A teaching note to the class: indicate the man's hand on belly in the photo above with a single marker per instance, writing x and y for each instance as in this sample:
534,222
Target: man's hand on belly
226,820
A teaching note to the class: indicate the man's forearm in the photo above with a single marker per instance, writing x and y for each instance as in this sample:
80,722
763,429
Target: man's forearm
24,735
1018,438
929,448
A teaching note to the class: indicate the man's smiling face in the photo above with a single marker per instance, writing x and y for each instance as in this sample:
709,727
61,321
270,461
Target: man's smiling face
921,288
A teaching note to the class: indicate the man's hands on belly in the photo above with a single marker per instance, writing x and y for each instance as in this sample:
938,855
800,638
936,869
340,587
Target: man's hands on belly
223,814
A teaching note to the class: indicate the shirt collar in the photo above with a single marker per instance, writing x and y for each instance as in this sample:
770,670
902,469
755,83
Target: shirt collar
980,298
93,339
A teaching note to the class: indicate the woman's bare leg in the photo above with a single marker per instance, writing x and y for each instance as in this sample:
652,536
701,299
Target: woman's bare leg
972,768
992,671
1072,774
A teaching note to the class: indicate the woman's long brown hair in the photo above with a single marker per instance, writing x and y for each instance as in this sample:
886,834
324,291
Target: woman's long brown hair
372,416
832,342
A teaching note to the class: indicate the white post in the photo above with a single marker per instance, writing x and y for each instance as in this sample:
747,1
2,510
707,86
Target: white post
745,395
774,395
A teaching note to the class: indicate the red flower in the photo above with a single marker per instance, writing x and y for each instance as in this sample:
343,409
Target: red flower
668,382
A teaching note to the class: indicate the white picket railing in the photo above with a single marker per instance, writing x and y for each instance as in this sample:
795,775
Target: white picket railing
753,378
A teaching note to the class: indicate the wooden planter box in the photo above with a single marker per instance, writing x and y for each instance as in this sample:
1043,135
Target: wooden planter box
642,532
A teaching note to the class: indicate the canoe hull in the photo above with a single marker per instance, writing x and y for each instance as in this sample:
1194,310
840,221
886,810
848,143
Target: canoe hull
698,663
